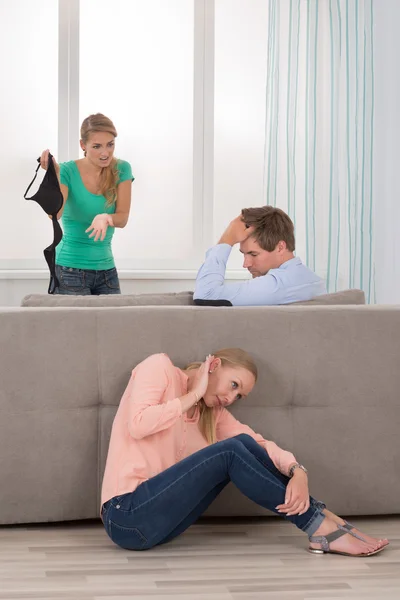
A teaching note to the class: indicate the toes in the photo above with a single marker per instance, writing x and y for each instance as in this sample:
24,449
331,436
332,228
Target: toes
378,546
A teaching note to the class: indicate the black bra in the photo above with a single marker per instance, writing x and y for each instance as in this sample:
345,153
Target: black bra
50,198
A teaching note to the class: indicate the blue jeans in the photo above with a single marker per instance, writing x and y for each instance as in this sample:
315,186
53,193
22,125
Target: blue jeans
164,506
85,282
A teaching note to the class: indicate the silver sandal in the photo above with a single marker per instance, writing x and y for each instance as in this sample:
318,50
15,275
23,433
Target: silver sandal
325,540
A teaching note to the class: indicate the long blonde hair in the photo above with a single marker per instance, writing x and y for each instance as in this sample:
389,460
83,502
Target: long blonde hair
230,357
109,175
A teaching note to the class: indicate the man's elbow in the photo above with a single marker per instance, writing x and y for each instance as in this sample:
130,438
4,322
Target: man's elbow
206,294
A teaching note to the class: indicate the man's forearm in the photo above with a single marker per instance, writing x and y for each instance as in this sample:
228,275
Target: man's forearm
211,275
227,239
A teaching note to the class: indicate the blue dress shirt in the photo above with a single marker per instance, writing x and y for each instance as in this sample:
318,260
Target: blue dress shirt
291,282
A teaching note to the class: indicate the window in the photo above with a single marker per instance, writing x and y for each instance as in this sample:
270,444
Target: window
136,66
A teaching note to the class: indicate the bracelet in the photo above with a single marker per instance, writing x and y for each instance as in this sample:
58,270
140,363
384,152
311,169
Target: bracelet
296,466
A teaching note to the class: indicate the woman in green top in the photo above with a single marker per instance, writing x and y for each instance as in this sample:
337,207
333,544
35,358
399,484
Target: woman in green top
97,198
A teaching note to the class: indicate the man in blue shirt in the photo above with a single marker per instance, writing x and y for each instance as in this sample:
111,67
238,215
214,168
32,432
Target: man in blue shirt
267,242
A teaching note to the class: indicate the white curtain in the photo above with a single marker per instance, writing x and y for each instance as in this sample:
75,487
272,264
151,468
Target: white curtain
319,133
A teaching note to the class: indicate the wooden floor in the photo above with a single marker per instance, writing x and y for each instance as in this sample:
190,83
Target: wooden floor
214,560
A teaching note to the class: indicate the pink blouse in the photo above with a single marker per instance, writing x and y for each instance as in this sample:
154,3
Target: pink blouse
150,433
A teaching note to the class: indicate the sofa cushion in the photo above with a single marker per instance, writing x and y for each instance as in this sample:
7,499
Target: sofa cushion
171,298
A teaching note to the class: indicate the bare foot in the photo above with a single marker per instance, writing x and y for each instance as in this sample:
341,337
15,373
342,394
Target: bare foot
346,543
367,538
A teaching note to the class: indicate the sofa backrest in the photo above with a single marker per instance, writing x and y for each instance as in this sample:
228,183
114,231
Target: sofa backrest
168,298
343,297
161,299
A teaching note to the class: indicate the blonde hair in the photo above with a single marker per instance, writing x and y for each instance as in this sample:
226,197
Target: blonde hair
109,175
230,357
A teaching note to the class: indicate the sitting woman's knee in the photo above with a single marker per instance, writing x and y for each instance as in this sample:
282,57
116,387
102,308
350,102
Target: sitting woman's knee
245,439
232,443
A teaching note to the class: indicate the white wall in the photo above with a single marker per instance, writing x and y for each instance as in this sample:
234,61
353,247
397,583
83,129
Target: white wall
386,158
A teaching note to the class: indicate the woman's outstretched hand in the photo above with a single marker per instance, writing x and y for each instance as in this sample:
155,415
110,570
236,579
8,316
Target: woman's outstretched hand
99,226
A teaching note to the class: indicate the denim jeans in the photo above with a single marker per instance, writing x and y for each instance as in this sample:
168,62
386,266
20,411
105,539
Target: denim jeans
164,506
85,282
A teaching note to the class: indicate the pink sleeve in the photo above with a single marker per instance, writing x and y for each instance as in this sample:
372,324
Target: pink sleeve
148,411
227,427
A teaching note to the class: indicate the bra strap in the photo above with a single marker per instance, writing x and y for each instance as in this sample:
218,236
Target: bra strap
30,185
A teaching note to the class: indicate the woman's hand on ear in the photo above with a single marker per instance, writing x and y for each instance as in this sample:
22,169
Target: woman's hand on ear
200,381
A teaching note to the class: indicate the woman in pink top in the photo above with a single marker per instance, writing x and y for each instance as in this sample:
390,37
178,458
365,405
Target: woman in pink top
174,447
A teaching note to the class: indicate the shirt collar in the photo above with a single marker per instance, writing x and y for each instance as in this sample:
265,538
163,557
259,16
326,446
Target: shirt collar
292,262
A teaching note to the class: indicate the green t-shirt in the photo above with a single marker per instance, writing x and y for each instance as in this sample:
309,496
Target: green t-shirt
76,249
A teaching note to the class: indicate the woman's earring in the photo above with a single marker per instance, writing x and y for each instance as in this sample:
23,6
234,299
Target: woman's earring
210,371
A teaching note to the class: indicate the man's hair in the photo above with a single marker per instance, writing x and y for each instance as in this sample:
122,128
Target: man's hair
271,225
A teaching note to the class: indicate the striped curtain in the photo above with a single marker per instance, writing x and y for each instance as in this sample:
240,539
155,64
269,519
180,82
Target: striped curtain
319,133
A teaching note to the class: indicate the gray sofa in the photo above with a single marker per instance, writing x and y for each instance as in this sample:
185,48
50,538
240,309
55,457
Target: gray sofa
170,298
328,390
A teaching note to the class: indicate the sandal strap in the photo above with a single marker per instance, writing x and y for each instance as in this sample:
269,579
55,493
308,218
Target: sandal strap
349,528
325,540
347,524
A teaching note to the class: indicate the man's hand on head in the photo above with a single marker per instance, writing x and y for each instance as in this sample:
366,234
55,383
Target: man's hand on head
236,232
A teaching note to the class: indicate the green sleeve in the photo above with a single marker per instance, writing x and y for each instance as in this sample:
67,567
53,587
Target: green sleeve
125,171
